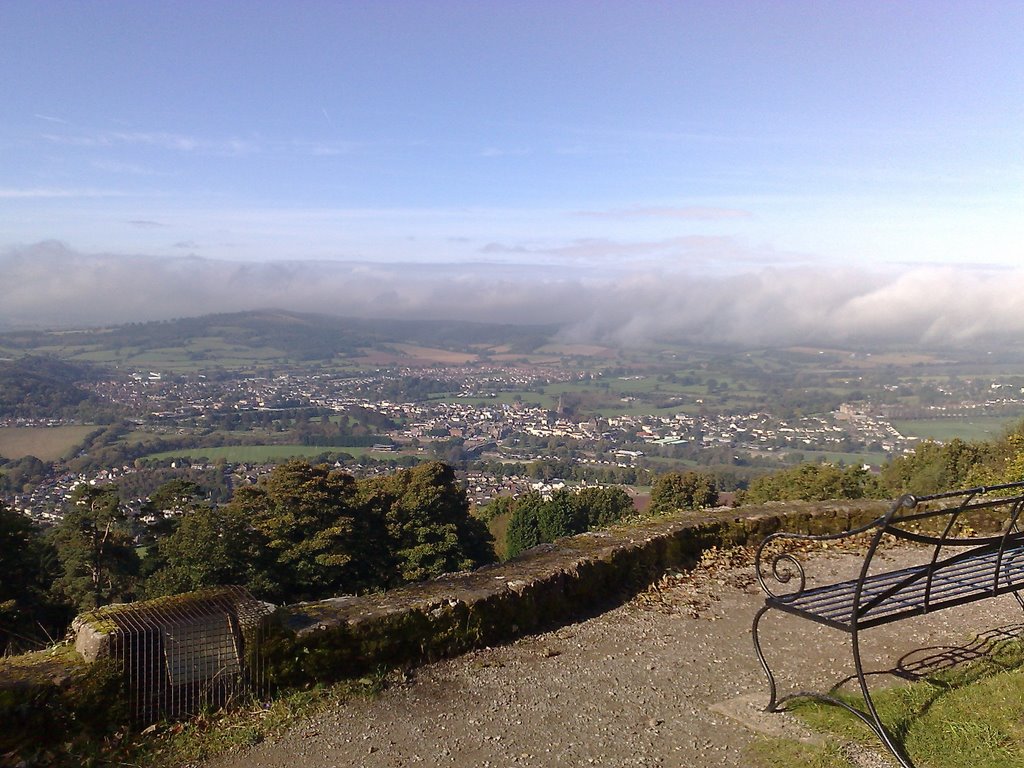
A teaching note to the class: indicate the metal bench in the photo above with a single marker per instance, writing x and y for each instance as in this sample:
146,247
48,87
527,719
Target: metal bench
958,565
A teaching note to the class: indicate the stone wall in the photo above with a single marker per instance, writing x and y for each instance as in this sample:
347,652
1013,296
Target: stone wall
543,588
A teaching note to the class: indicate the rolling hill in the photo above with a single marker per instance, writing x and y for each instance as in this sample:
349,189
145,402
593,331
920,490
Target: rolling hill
243,339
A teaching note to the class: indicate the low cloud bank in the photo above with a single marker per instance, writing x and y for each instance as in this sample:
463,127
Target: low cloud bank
49,284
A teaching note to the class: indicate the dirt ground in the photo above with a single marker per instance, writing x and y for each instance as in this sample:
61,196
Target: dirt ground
669,679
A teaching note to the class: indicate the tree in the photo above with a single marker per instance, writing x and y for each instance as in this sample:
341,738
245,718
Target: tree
683,490
211,547
535,520
524,528
1005,462
22,475
177,495
304,516
814,482
561,516
937,467
426,522
503,505
98,561
604,506
27,564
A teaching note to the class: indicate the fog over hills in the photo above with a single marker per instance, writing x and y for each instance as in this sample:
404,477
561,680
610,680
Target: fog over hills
49,284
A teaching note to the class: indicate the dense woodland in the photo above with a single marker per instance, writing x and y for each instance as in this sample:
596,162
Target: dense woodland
34,387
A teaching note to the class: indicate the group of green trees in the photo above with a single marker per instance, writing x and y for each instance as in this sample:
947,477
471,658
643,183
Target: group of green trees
309,531
814,482
28,612
931,468
534,520
33,387
683,490
565,469
304,532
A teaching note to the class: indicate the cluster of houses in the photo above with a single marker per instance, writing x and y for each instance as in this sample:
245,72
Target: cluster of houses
505,428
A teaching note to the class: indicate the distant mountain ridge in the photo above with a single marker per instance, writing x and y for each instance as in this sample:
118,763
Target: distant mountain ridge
273,333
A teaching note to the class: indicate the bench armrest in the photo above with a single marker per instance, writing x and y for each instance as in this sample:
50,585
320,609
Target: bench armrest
945,523
781,567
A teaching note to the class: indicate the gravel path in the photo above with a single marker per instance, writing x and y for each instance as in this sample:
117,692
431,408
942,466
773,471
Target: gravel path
669,679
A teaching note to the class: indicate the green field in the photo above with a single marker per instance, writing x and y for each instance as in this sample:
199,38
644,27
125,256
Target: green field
979,429
264,453
46,443
185,359
837,457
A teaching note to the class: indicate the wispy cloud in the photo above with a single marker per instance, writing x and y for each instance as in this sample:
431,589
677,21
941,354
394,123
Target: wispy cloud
76,141
320,148
146,224
187,144
688,213
131,169
503,152
325,150
174,142
50,119
714,250
55,192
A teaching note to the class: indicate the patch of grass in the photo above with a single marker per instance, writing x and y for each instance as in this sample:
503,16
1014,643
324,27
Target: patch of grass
966,717
839,457
775,753
211,734
498,527
978,428
435,355
203,736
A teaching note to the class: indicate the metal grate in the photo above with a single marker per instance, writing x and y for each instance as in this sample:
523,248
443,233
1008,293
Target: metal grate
186,653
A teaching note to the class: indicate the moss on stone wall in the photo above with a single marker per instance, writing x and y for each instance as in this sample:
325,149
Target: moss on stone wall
351,636
55,693
542,588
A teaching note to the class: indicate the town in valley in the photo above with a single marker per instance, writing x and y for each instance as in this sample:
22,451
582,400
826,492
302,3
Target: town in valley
544,416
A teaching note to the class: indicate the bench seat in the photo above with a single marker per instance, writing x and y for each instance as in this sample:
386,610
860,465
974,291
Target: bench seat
887,597
974,549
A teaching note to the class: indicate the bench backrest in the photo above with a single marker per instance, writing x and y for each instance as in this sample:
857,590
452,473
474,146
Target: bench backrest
973,530
971,517
955,526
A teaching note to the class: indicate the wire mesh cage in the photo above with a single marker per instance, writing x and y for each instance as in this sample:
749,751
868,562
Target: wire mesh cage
186,653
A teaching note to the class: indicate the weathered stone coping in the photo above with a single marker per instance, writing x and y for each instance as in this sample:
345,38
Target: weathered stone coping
547,586
542,588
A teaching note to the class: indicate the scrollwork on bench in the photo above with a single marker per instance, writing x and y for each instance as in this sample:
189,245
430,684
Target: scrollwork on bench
783,566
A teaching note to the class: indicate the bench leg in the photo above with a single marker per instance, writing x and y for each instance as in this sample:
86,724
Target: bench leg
773,703
871,718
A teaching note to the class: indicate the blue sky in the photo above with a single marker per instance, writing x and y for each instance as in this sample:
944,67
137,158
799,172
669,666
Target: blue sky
720,138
